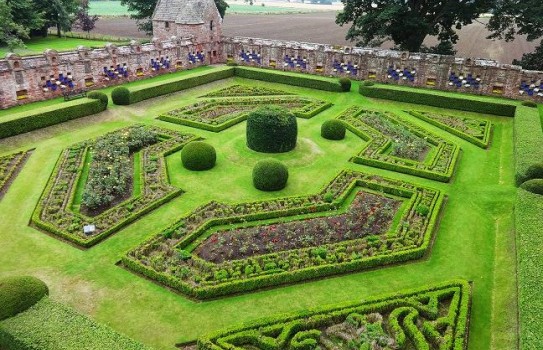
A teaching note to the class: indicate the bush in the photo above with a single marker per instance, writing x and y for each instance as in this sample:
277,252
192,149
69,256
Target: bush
529,103
19,293
48,116
437,100
98,95
534,171
232,63
120,96
367,83
270,175
271,129
534,186
333,130
198,155
345,84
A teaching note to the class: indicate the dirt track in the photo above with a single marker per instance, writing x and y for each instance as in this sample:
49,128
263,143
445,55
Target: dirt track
320,27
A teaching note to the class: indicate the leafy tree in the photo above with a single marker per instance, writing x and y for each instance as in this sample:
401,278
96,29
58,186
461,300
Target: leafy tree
58,13
11,33
27,14
409,22
142,11
83,20
533,61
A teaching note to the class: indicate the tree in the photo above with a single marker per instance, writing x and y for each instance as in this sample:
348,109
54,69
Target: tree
27,14
11,33
58,13
408,22
533,61
142,11
83,20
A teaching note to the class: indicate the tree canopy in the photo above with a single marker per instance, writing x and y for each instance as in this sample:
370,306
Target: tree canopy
408,22
11,33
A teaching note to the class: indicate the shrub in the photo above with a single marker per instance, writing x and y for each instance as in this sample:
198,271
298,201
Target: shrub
232,63
345,84
270,175
529,103
98,95
120,96
367,83
534,186
534,171
333,130
19,293
271,129
198,155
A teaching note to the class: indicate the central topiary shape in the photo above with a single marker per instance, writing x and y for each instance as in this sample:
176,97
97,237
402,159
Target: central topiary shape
271,129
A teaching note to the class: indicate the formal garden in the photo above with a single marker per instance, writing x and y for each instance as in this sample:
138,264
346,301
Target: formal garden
231,207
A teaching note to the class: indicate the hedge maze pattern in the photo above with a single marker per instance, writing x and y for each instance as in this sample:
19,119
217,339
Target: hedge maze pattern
418,152
9,166
56,215
170,258
243,90
476,131
431,318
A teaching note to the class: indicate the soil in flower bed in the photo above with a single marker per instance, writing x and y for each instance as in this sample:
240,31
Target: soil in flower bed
16,162
368,214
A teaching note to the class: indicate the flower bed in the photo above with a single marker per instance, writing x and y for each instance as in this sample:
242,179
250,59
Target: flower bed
170,257
243,90
396,144
9,167
476,131
432,317
218,115
54,212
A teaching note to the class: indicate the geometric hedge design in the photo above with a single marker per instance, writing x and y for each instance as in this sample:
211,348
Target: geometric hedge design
55,214
385,131
434,317
9,167
173,256
243,90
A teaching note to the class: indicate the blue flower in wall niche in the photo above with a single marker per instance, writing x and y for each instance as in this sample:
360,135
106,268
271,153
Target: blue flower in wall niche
406,74
535,88
62,81
469,81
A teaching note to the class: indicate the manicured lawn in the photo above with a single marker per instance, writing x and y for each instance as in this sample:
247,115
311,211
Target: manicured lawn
475,239
36,46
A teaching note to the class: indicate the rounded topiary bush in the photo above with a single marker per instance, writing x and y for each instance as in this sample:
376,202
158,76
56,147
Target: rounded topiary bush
345,84
367,83
534,171
534,186
270,175
529,103
120,96
271,129
333,130
18,293
97,95
198,155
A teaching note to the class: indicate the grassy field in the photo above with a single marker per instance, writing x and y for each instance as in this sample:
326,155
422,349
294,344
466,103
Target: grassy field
475,239
37,46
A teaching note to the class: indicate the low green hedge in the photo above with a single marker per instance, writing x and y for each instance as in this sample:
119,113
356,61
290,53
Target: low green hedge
18,293
345,84
528,137
534,186
120,96
99,95
434,100
312,82
50,116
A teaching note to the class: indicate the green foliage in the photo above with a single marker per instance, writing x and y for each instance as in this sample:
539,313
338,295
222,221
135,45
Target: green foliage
345,84
270,175
528,145
271,129
534,171
50,116
232,63
435,100
12,32
532,60
18,293
120,96
98,95
49,325
534,186
513,17
198,155
333,129
307,81
367,83
529,103
408,23
422,210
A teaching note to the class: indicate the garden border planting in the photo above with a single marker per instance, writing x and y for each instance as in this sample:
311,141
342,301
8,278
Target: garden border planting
10,165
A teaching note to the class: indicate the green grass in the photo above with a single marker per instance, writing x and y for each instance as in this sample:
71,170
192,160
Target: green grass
474,240
36,46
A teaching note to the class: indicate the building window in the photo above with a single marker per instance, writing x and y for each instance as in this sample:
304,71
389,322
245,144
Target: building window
167,25
211,25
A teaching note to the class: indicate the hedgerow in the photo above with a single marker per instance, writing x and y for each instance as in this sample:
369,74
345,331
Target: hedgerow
271,129
44,117
121,96
435,100
345,84
18,293
98,95
392,319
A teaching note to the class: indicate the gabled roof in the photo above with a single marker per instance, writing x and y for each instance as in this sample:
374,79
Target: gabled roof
183,11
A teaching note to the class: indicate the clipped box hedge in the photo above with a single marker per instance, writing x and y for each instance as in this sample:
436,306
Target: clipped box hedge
430,99
42,118
306,81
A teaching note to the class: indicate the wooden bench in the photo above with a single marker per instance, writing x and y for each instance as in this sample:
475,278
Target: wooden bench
74,94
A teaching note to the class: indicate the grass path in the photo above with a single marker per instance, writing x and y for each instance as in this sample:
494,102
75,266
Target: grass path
475,239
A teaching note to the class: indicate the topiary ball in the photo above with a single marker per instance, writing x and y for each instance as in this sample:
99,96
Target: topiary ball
333,130
270,175
18,293
120,96
97,95
345,84
198,156
534,186
271,129
529,103
534,171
